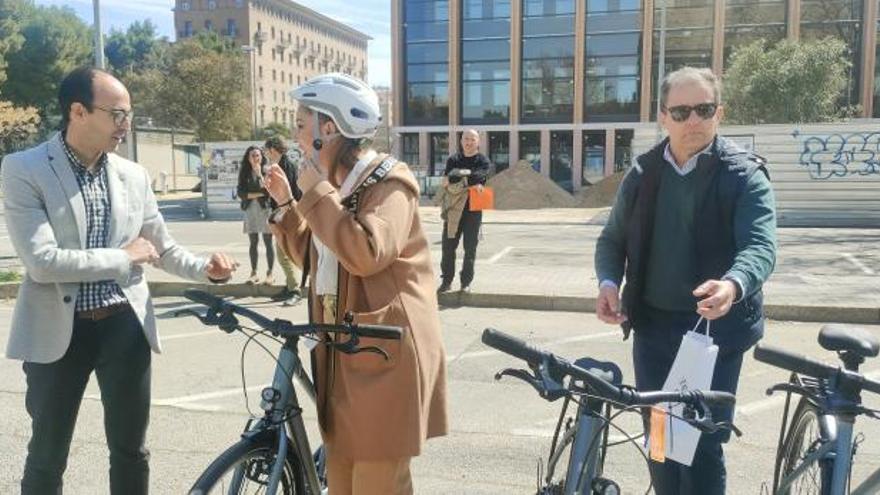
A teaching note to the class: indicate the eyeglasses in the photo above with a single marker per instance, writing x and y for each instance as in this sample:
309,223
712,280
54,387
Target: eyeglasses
680,113
119,116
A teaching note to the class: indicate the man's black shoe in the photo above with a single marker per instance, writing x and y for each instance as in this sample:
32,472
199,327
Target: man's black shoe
444,287
286,294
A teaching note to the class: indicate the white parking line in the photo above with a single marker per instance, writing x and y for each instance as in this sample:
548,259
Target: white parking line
492,352
185,399
861,266
500,255
191,334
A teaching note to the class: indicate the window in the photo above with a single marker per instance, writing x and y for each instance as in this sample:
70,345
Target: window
426,59
530,148
209,26
689,26
499,150
747,21
623,152
274,75
613,61
185,6
187,29
410,149
260,72
547,61
439,153
842,20
231,28
485,59
212,5
593,165
560,158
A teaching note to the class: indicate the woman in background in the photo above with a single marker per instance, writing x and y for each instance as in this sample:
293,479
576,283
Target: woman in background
255,204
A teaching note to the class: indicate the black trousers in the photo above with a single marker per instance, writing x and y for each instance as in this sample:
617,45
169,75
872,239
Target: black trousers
655,346
469,228
117,351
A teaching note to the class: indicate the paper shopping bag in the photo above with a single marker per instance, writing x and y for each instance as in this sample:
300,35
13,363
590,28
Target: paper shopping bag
481,200
692,369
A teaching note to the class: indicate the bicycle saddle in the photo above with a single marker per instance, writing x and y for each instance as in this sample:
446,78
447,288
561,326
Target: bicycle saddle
605,370
848,338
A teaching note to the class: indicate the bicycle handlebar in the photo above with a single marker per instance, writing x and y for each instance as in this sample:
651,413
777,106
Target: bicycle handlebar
808,366
534,357
285,328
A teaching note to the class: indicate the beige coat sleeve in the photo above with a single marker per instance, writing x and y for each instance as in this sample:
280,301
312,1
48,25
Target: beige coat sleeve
367,243
292,234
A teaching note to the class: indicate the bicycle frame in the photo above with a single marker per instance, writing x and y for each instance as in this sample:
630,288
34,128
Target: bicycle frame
836,450
290,427
584,465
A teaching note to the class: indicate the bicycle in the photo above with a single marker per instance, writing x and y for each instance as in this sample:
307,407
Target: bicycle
816,448
596,387
273,452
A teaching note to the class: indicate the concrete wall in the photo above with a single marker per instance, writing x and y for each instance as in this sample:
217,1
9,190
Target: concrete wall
154,152
822,174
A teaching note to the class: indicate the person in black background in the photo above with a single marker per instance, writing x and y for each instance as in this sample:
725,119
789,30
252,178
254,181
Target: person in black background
276,150
467,168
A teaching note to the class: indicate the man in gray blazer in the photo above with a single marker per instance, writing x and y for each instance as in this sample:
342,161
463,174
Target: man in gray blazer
84,222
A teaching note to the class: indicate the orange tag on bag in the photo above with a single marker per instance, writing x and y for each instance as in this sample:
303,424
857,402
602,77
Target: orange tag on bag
657,435
479,201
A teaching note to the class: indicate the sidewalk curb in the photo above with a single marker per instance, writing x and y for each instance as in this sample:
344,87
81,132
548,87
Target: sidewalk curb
782,312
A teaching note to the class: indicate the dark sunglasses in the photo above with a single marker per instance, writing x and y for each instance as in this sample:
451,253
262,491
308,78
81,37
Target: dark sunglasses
681,113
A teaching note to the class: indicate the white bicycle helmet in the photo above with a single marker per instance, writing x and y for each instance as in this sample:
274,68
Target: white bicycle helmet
353,106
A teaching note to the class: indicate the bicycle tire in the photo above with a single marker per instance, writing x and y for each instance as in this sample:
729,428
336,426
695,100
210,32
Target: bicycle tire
257,455
803,437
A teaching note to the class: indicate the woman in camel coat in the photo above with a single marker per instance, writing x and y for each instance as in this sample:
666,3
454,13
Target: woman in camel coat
366,255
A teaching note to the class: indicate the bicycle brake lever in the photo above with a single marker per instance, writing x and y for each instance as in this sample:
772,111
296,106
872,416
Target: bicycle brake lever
350,346
191,312
516,373
373,349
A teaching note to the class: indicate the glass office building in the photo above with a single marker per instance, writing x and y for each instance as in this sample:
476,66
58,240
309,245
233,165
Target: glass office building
562,84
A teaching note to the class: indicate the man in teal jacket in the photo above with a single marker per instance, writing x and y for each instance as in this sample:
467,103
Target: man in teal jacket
693,234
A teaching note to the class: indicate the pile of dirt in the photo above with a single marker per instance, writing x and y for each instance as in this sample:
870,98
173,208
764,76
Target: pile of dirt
520,187
600,194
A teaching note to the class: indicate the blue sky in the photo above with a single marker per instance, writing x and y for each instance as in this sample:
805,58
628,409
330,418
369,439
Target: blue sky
372,17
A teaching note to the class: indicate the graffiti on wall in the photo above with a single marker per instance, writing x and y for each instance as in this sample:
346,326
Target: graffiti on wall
840,155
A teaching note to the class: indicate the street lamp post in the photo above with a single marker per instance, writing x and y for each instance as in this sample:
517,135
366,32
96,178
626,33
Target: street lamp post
99,38
252,83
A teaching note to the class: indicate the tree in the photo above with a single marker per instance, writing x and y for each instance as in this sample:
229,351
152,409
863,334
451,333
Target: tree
11,39
202,89
275,129
129,51
17,126
55,42
787,83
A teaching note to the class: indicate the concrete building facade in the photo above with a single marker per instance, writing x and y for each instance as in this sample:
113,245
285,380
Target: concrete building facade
564,84
285,43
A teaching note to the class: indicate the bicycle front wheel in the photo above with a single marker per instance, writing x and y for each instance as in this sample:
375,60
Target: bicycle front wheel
245,467
803,439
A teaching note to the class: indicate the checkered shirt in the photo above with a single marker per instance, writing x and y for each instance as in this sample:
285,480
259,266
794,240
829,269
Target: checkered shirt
96,196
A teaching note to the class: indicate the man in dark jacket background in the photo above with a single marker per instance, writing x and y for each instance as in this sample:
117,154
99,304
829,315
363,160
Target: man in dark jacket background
472,167
693,232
